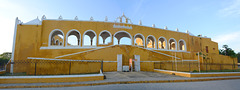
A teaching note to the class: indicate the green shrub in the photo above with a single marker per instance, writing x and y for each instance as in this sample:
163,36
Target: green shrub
3,61
195,71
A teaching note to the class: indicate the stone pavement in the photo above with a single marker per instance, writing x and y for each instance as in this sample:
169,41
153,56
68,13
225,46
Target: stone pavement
139,76
122,78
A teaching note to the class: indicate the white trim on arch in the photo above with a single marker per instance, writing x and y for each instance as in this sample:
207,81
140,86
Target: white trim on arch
125,32
69,33
175,44
166,42
108,33
50,35
185,45
84,35
142,37
154,41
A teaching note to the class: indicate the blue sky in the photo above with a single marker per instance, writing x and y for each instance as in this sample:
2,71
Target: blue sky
217,19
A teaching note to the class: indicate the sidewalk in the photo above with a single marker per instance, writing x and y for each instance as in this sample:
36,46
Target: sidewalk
122,78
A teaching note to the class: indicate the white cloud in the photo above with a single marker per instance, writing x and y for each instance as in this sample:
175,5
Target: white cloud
232,9
231,39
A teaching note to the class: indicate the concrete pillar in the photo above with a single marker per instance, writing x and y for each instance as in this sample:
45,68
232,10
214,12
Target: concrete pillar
91,41
137,63
13,47
118,41
79,42
119,62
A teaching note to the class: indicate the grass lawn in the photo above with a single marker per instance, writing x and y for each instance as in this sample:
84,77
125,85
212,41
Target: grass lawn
15,74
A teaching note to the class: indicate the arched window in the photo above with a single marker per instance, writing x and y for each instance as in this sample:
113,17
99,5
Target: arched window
151,42
162,43
172,44
55,37
89,38
105,37
122,37
182,45
73,38
139,40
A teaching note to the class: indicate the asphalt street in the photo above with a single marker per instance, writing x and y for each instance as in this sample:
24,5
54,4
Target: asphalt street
204,85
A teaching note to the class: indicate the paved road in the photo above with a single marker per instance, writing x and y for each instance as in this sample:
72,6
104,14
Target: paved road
205,85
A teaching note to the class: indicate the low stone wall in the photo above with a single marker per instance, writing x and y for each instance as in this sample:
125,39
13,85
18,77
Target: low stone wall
50,79
190,66
210,74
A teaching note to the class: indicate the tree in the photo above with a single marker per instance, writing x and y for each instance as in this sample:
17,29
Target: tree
227,51
5,57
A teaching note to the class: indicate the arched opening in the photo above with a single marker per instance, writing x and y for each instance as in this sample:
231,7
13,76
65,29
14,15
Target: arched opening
73,38
182,45
162,43
105,37
89,38
53,42
55,37
172,44
57,42
151,42
139,40
122,37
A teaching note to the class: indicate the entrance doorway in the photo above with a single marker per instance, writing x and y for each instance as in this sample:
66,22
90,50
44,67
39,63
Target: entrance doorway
134,64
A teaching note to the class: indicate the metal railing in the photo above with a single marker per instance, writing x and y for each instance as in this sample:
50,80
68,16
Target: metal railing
2,67
58,67
196,67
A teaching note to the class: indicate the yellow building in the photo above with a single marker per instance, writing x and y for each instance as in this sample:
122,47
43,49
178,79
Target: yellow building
43,47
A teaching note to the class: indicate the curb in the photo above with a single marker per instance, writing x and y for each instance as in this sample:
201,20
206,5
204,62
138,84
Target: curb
120,82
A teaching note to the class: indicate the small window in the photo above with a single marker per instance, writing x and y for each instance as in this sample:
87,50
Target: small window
213,48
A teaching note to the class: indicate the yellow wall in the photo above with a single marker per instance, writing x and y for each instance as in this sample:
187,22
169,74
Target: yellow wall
147,66
109,66
30,38
27,41
52,67
37,36
187,66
